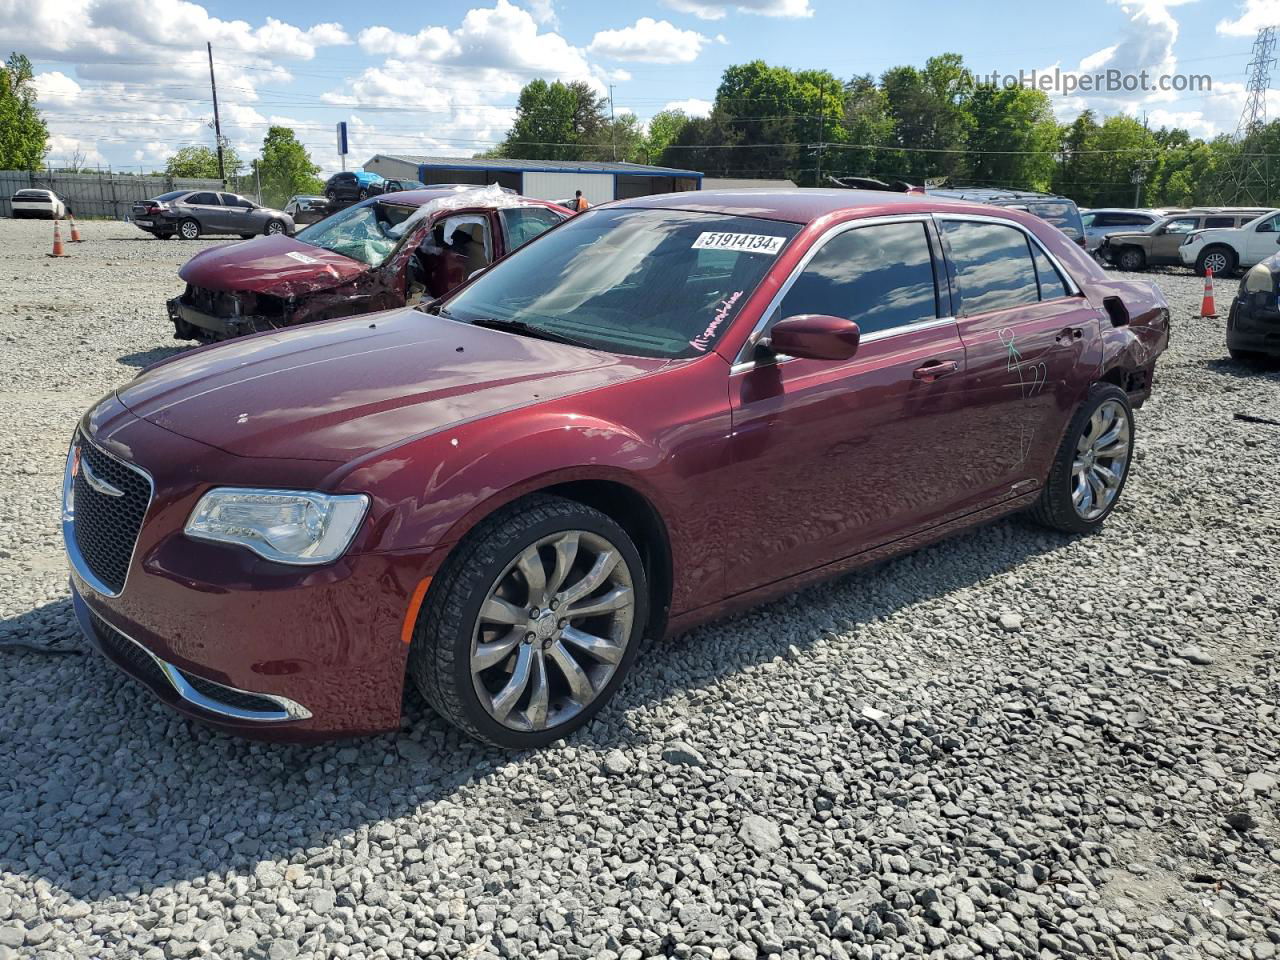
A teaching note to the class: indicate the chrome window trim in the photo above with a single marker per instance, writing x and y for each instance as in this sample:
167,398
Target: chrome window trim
744,359
289,709
78,563
941,218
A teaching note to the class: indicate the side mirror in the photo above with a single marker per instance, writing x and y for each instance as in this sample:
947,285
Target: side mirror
815,336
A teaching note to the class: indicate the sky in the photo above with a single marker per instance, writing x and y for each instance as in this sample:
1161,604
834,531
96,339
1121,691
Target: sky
125,83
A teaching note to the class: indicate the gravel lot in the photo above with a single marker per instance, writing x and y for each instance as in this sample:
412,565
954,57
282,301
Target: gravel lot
1011,744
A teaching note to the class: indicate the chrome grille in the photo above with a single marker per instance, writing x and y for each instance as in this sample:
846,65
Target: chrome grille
106,524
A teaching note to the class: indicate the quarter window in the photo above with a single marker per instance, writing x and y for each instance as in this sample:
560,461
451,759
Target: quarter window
879,276
994,269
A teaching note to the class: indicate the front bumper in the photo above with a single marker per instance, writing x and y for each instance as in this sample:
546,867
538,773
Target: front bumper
262,649
190,323
1253,323
1187,254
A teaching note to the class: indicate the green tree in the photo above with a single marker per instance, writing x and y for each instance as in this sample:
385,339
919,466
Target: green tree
662,131
929,114
556,121
24,137
202,163
1013,137
285,168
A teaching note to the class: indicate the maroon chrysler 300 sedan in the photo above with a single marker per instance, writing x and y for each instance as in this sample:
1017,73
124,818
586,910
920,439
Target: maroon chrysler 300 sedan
661,411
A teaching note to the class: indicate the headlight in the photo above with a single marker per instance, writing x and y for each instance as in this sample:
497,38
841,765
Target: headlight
1191,238
288,526
1259,280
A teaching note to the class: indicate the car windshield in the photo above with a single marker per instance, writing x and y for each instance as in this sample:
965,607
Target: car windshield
367,233
657,283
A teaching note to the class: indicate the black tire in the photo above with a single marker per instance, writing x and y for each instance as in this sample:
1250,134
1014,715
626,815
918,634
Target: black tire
1055,508
364,194
1229,260
166,236
268,232
331,196
189,229
247,236
1131,260
440,655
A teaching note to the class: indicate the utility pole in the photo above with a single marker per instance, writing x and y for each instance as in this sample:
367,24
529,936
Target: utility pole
822,127
613,130
217,123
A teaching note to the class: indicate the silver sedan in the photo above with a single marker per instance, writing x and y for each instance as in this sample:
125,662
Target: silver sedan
190,214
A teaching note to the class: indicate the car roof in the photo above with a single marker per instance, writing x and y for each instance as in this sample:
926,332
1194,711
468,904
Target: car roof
797,204
416,198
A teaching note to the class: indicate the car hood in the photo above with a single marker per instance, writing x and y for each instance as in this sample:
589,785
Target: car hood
1129,236
340,389
278,265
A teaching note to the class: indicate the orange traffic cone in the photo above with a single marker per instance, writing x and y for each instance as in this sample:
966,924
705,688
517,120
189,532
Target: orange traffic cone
1207,309
75,234
57,241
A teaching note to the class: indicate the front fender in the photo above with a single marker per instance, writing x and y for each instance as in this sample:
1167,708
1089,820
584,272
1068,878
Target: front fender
435,490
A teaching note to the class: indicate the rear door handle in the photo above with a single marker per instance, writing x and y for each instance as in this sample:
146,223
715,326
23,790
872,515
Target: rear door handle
934,369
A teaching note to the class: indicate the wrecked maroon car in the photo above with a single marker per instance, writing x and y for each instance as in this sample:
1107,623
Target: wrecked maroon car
387,251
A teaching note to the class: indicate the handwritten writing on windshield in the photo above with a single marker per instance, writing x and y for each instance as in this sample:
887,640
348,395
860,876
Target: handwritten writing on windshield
702,342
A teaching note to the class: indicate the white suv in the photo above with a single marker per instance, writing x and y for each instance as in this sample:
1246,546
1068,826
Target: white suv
1223,250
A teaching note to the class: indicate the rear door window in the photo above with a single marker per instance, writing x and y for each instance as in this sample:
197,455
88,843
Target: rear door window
1210,222
993,265
522,224
879,276
203,199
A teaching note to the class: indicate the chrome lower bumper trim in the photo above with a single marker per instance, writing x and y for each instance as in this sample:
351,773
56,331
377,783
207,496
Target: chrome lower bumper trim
288,709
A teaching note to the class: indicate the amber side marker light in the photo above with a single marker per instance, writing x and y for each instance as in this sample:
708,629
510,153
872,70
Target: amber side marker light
411,617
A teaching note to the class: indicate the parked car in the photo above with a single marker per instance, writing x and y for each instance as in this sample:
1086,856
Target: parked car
395,186
351,185
1224,249
1059,211
661,411
306,209
1253,322
191,214
1157,245
38,203
383,252
1102,222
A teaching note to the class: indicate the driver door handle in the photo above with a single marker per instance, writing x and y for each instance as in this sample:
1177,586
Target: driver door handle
935,369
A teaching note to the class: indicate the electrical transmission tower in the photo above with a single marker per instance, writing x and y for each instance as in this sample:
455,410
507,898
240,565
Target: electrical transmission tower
1248,183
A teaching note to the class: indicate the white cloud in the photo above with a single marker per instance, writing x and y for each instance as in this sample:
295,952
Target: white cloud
718,9
544,11
649,41
1255,15
693,106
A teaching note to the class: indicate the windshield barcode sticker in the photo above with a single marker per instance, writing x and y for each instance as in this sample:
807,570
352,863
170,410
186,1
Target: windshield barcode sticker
301,257
746,242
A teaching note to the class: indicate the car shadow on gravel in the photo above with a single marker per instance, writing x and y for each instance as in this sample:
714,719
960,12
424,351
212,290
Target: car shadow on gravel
106,790
144,358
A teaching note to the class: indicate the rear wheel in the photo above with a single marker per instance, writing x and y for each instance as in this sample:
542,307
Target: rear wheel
1091,465
189,229
1221,260
532,623
1131,259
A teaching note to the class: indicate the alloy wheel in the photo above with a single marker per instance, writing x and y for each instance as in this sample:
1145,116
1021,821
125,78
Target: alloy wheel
552,630
190,231
274,227
1216,261
1102,457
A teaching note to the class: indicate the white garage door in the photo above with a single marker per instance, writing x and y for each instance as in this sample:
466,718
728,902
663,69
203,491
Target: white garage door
596,187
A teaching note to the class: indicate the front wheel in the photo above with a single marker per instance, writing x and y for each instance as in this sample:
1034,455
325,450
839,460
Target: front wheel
1091,465
532,623
1221,260
1131,260
364,194
189,229
273,228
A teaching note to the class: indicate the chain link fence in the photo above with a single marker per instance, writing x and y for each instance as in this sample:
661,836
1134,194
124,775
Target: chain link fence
100,194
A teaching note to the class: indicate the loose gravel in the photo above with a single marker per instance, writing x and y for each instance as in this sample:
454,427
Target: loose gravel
1011,744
